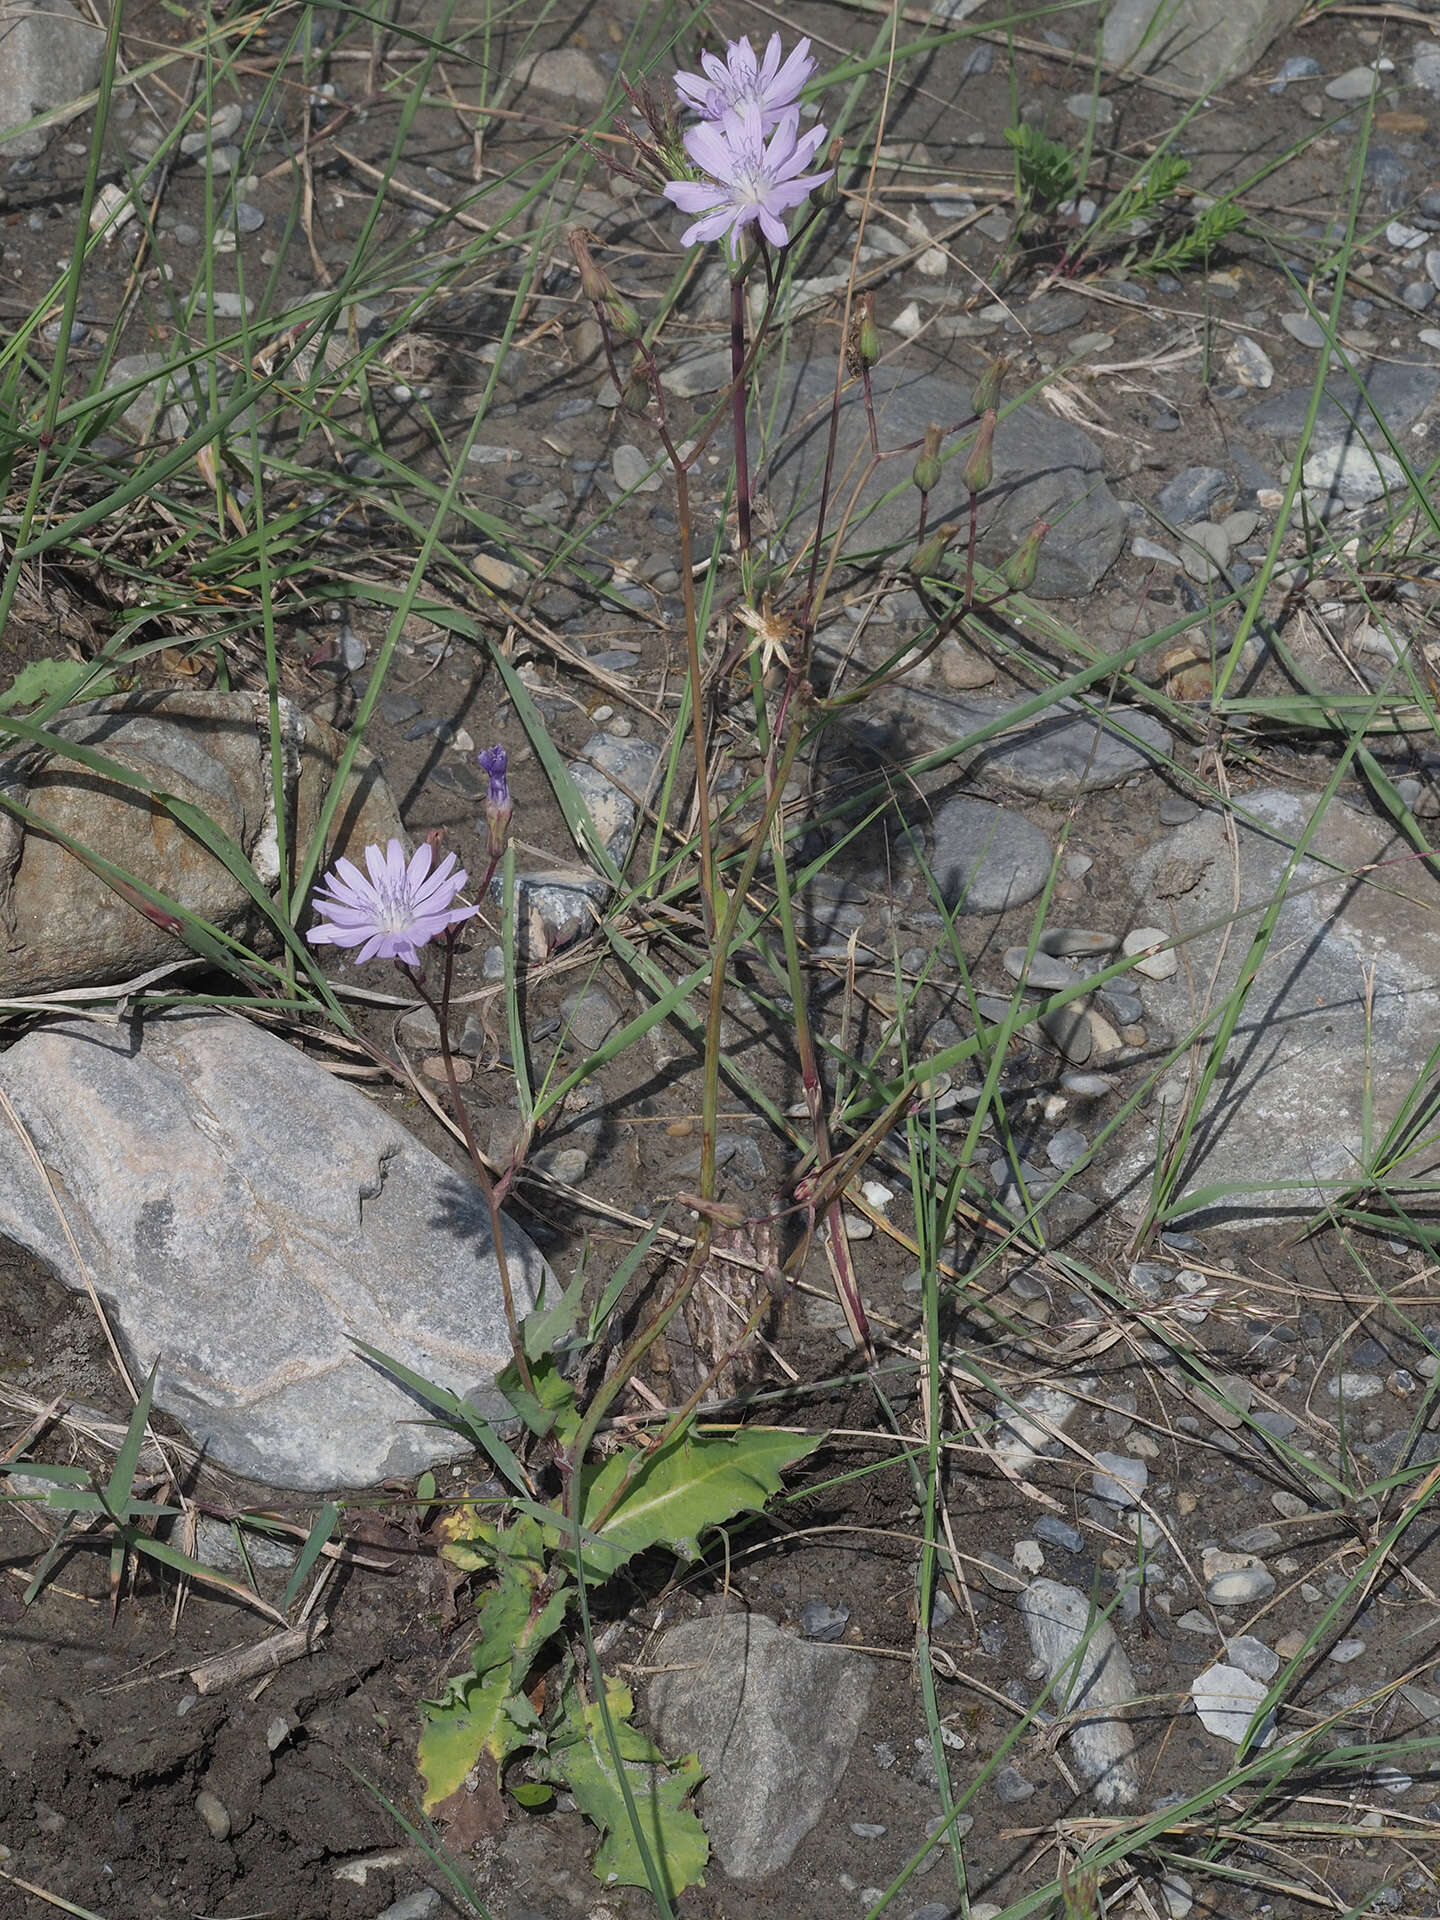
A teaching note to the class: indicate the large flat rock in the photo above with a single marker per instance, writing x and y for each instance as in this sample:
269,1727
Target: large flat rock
246,1217
64,925
1288,1108
773,1718
1395,392
1194,43
49,57
1044,468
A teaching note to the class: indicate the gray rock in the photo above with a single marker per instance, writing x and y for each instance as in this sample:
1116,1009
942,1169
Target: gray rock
590,1016
1011,1786
1056,1532
773,1718
1070,1031
1195,43
142,412
820,1621
1252,1656
1081,941
1299,66
1192,493
1356,83
1121,1481
1305,328
68,926
1226,1699
1029,1428
1351,476
1240,1586
1053,756
1068,1147
1399,392
247,1266
567,73
49,57
986,858
420,1905
1038,970
1425,68
553,908
613,775
1060,1622
632,470
1043,468
697,373
1288,1104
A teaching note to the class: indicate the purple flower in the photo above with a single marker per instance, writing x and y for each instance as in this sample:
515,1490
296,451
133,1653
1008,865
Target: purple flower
498,806
750,179
396,911
739,81
494,760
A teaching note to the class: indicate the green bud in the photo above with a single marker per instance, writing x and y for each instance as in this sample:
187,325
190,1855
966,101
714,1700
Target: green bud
979,462
623,320
635,395
1018,571
926,471
926,560
986,397
828,194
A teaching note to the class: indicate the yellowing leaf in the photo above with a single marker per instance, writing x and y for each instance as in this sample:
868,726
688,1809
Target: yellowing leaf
463,1729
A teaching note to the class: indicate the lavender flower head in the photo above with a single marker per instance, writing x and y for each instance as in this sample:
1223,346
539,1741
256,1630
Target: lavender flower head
751,179
739,80
498,804
394,912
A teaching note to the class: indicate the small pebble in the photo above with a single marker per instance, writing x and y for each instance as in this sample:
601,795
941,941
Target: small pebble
213,1811
1067,1149
1056,1532
1121,1480
1303,327
1344,1651
1159,966
820,1621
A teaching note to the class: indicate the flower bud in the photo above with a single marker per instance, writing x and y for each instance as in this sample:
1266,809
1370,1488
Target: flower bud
827,194
1018,572
635,395
926,560
498,805
623,320
926,471
594,281
986,396
862,337
979,462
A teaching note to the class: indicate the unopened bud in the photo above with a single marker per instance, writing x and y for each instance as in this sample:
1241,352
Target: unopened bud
979,462
926,471
1018,571
635,395
986,396
498,805
827,194
863,346
926,559
594,282
623,320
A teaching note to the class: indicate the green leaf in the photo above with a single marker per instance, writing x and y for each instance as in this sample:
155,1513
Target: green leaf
538,1795
673,1494
551,1408
580,1756
57,680
461,1730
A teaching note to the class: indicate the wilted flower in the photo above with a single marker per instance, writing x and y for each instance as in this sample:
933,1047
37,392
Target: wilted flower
1018,572
979,469
770,85
751,179
391,915
498,804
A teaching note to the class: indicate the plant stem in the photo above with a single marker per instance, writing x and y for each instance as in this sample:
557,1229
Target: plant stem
441,1010
738,398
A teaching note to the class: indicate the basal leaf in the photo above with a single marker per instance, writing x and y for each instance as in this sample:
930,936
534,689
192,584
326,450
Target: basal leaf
693,1482
582,1758
461,1730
